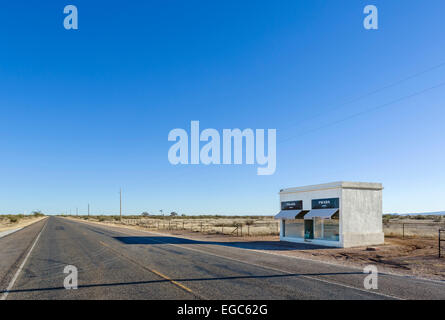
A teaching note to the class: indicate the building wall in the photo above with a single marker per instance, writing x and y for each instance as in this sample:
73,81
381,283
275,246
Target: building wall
361,217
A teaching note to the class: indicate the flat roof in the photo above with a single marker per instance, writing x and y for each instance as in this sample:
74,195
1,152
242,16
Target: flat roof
336,185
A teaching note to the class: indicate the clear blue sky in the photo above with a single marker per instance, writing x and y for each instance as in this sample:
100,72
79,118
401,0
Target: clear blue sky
86,112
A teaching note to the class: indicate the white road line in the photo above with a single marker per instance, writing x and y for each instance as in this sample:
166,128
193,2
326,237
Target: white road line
5,233
11,284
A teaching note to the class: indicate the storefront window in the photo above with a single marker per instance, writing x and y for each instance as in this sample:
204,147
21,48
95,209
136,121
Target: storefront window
294,228
331,229
326,229
318,228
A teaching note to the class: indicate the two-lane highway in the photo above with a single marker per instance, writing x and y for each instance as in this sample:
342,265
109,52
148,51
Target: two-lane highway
121,263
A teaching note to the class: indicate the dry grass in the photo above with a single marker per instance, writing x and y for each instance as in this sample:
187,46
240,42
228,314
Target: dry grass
260,225
427,228
237,226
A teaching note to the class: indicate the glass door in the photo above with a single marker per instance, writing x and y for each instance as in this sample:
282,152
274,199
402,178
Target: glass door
309,229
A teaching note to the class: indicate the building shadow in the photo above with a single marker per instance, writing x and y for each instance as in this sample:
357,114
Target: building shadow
251,245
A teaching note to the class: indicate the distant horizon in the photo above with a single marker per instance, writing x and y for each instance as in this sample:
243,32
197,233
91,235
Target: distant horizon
222,215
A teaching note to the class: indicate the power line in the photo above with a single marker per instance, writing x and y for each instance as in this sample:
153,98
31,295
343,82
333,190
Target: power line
371,93
367,111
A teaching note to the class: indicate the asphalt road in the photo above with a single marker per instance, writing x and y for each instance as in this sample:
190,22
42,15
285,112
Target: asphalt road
121,263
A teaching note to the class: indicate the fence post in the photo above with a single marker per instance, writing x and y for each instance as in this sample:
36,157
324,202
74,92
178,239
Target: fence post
403,233
440,240
201,226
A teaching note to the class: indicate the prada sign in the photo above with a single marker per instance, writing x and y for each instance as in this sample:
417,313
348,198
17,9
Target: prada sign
292,205
332,203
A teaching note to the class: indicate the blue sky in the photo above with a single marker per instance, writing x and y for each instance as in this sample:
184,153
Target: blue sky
85,112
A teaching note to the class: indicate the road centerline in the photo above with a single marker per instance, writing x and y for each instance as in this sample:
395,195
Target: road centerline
176,283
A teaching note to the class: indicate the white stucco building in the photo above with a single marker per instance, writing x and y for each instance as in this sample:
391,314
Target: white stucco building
338,214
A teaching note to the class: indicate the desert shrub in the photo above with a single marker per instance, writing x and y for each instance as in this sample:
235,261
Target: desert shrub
37,213
13,219
419,217
222,225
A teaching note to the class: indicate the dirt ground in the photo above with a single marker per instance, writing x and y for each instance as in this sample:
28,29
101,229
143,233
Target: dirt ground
410,256
413,257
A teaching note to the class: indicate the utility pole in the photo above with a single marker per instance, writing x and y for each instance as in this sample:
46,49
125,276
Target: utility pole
77,211
120,197
88,209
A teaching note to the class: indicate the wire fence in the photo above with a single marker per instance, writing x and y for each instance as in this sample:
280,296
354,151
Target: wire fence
412,229
265,226
239,227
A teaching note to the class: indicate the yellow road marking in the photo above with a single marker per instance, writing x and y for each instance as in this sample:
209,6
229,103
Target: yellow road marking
180,285
171,280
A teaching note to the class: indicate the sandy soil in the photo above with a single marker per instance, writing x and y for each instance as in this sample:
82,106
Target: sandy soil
5,225
411,256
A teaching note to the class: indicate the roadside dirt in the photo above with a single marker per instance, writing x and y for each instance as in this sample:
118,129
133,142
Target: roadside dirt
410,256
6,225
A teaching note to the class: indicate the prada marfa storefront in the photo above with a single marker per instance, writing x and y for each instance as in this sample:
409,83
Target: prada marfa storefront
339,214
